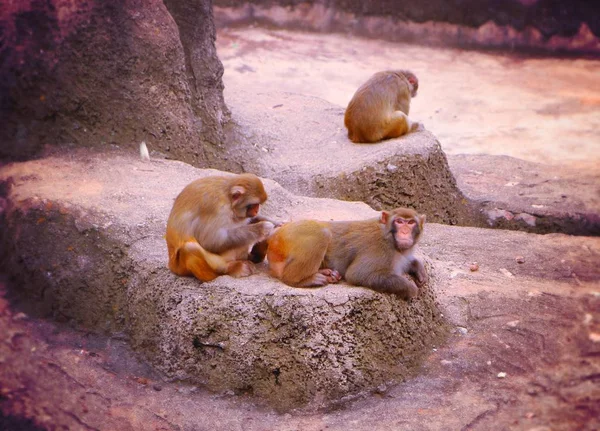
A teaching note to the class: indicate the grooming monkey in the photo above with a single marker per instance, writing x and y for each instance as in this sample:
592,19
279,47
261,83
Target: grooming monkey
379,108
374,253
213,223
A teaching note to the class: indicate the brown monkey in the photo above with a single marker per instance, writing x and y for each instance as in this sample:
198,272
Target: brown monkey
213,224
379,108
372,253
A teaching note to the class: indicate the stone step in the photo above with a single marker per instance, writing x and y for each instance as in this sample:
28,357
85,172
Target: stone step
84,241
300,142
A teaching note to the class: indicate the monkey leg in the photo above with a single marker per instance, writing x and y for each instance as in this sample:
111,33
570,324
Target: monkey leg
296,251
321,278
398,124
240,268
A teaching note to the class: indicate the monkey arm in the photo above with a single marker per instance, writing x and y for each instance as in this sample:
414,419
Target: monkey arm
260,218
362,273
417,270
246,235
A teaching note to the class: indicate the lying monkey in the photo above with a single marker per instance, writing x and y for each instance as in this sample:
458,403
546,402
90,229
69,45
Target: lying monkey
372,253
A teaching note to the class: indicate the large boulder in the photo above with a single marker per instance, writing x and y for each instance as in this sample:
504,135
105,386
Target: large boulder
82,237
106,73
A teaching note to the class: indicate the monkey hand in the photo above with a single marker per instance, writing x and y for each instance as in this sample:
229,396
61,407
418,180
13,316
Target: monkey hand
258,219
265,229
417,270
278,224
421,277
411,291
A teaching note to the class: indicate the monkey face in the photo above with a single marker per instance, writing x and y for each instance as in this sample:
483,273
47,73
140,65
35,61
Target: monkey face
405,232
245,207
252,210
405,226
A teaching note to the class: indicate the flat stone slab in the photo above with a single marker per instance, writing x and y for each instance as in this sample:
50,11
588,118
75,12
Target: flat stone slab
83,238
301,142
516,194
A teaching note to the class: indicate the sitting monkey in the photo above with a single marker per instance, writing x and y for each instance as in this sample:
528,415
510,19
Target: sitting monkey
379,108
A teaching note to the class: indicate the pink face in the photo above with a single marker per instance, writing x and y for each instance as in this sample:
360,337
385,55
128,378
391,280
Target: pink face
243,206
252,210
405,232
415,84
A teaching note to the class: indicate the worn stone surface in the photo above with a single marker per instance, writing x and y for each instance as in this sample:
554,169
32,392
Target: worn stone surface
528,313
550,184
303,145
105,73
83,234
541,25
530,196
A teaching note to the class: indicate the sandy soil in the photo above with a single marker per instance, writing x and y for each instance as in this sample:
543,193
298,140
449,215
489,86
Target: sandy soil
538,109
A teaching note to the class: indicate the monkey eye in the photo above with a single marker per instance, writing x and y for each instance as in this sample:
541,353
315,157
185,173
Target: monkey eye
411,222
252,207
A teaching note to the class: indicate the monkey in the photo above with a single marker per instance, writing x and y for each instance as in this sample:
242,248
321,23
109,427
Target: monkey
212,225
379,108
374,253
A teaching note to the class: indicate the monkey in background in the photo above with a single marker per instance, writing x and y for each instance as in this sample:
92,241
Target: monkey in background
374,253
379,108
213,223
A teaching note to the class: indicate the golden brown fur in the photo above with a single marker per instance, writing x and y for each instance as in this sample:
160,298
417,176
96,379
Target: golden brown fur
373,253
379,108
213,223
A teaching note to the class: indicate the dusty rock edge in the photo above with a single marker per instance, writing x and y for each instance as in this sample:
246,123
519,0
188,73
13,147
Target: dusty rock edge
287,347
302,144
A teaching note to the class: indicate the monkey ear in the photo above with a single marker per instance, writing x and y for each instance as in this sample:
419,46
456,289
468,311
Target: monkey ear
384,217
237,192
422,218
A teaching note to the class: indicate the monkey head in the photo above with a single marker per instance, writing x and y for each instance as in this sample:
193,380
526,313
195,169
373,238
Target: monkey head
404,225
246,193
412,80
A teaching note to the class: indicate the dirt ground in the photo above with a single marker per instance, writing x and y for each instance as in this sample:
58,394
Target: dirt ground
520,358
538,109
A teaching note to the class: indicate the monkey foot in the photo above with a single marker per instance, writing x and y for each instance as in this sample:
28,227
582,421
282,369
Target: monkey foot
331,275
241,268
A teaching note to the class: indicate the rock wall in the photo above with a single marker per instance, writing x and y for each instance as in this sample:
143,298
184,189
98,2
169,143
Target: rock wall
540,25
111,73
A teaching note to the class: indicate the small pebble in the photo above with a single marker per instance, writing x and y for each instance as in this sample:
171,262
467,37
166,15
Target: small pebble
157,387
474,267
520,259
381,389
